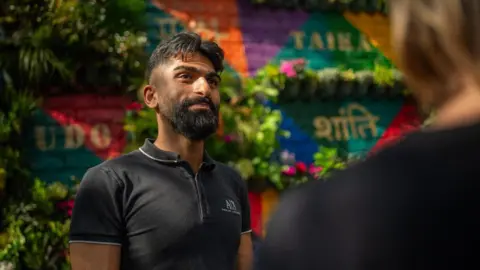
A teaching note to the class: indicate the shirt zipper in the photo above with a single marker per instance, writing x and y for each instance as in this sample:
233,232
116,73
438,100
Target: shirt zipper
199,195
196,184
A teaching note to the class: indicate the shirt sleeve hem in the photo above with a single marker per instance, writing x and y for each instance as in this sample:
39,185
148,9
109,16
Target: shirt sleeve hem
247,231
95,239
94,242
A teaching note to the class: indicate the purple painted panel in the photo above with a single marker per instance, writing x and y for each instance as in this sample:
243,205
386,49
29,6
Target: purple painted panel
266,31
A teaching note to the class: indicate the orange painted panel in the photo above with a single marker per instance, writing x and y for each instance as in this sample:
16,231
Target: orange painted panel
213,19
269,202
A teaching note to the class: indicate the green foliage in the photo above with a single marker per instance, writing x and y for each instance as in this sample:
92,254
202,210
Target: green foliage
329,160
348,75
37,231
35,234
72,43
364,76
16,109
328,76
295,172
69,45
295,81
383,76
248,133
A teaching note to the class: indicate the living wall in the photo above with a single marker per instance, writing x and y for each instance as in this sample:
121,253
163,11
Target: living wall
52,47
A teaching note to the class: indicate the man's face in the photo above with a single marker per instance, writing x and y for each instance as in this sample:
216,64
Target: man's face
187,95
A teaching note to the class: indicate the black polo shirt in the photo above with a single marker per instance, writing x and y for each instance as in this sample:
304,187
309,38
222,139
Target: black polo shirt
163,214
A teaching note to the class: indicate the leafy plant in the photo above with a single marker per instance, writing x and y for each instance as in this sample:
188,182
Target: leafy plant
329,160
383,76
348,75
270,74
37,229
34,234
328,75
47,44
71,43
295,172
17,106
364,76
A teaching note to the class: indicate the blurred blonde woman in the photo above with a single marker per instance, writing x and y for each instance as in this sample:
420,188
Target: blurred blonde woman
415,204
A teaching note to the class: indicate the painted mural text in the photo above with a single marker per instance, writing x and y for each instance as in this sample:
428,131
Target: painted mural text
352,123
206,28
332,41
76,136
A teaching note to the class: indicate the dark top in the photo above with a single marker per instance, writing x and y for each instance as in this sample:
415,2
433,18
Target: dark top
163,215
412,206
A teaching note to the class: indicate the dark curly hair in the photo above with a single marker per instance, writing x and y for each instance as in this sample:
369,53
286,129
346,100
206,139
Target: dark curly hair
184,44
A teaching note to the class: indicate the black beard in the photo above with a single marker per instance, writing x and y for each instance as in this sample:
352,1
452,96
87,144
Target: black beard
195,125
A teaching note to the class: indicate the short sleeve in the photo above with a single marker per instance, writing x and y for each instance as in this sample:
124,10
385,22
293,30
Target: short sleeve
245,204
97,213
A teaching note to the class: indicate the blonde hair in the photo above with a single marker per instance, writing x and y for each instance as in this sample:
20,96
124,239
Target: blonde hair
438,44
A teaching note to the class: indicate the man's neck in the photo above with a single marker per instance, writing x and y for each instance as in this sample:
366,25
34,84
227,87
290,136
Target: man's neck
190,151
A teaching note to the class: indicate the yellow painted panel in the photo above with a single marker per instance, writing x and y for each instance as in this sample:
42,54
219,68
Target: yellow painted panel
377,28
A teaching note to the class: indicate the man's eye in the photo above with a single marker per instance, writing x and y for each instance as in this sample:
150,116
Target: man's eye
185,76
213,82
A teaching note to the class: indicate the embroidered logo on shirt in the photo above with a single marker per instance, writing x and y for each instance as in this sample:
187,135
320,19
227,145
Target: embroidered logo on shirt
230,207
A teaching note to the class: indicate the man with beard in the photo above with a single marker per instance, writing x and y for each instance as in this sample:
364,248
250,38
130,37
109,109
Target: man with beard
167,205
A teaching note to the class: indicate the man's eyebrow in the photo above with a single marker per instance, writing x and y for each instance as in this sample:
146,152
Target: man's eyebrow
187,68
211,74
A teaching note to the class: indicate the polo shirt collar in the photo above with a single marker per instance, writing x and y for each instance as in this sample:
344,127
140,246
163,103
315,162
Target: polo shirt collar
150,150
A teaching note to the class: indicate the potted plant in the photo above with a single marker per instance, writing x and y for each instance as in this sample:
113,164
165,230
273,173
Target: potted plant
292,70
342,5
270,74
291,4
274,3
383,79
383,6
372,6
358,5
364,83
329,160
347,83
318,5
398,86
258,3
327,82
294,172
309,86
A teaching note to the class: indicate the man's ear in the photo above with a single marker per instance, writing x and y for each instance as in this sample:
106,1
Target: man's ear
150,96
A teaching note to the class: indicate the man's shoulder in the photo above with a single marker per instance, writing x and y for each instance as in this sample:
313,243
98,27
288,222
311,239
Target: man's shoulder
123,160
113,167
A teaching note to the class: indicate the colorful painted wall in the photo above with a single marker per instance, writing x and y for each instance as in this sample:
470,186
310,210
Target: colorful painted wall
73,133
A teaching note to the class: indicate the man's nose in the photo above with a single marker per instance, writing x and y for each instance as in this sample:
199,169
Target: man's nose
201,87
